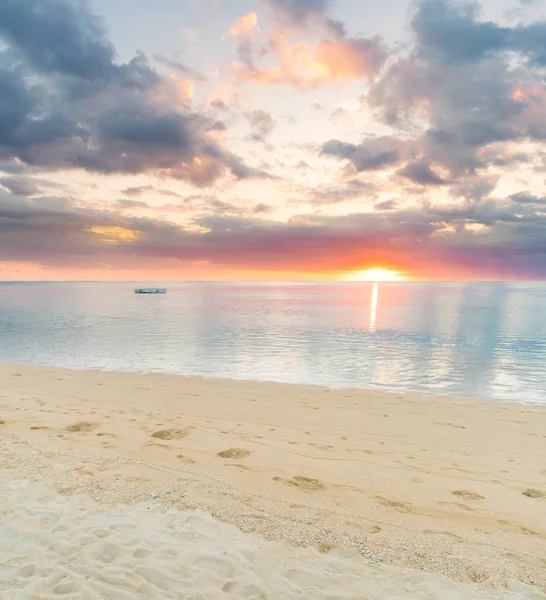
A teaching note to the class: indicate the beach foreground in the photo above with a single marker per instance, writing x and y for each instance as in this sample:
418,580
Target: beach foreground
363,479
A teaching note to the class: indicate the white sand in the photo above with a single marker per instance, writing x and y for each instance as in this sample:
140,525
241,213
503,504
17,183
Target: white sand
454,488
53,546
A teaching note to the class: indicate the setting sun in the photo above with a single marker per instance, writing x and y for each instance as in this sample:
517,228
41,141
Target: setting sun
376,274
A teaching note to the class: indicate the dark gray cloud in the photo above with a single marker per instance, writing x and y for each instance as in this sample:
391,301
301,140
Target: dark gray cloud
139,190
527,198
305,13
370,155
386,205
130,204
451,32
20,185
421,172
66,103
261,124
58,38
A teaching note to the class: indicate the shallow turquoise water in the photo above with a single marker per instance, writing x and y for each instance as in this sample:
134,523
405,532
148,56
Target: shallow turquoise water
462,339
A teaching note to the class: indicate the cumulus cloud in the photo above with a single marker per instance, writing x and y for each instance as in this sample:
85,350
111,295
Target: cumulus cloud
306,13
465,89
66,103
327,62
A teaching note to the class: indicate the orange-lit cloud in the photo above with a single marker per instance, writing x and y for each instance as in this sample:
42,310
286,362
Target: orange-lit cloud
310,65
244,25
114,234
173,91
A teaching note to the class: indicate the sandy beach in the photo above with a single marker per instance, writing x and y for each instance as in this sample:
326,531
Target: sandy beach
178,487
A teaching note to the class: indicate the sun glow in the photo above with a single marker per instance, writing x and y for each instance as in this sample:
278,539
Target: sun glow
376,274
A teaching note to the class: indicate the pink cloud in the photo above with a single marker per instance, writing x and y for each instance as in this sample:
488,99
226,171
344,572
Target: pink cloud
244,25
308,65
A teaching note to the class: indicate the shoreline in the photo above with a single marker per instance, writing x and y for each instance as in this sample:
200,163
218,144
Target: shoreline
400,477
366,389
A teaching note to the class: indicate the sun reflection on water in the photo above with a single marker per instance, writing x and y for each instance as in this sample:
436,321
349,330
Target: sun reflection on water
373,306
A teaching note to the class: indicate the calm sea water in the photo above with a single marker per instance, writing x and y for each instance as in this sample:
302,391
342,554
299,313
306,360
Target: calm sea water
462,339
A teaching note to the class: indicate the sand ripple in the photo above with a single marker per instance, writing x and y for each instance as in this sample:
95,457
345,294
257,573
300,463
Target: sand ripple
71,547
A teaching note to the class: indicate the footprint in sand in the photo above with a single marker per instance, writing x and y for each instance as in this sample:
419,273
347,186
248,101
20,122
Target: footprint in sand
186,460
2,422
468,495
170,434
39,428
399,506
242,467
82,427
304,483
234,453
531,493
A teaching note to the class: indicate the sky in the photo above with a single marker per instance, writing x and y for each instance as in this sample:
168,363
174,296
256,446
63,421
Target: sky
272,140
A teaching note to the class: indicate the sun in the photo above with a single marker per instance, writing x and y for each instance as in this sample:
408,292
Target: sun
376,274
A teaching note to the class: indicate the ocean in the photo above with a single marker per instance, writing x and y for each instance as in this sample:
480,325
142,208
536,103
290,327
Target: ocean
485,340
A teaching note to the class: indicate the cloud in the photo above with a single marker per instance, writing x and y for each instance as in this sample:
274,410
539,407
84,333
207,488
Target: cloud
386,205
457,99
504,238
138,191
372,154
527,198
244,25
57,37
67,104
305,14
261,209
179,67
452,32
324,63
421,172
124,204
20,185
334,194
261,124
242,30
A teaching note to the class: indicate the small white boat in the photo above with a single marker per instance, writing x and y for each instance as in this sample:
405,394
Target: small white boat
150,291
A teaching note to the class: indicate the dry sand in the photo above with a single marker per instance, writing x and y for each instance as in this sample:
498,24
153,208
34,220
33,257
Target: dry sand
364,479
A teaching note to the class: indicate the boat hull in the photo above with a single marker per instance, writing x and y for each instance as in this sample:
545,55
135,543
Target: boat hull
150,291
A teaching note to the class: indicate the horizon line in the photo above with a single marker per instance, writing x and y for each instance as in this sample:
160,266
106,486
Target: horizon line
271,281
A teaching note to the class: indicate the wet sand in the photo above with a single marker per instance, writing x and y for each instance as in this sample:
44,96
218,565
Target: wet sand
451,487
